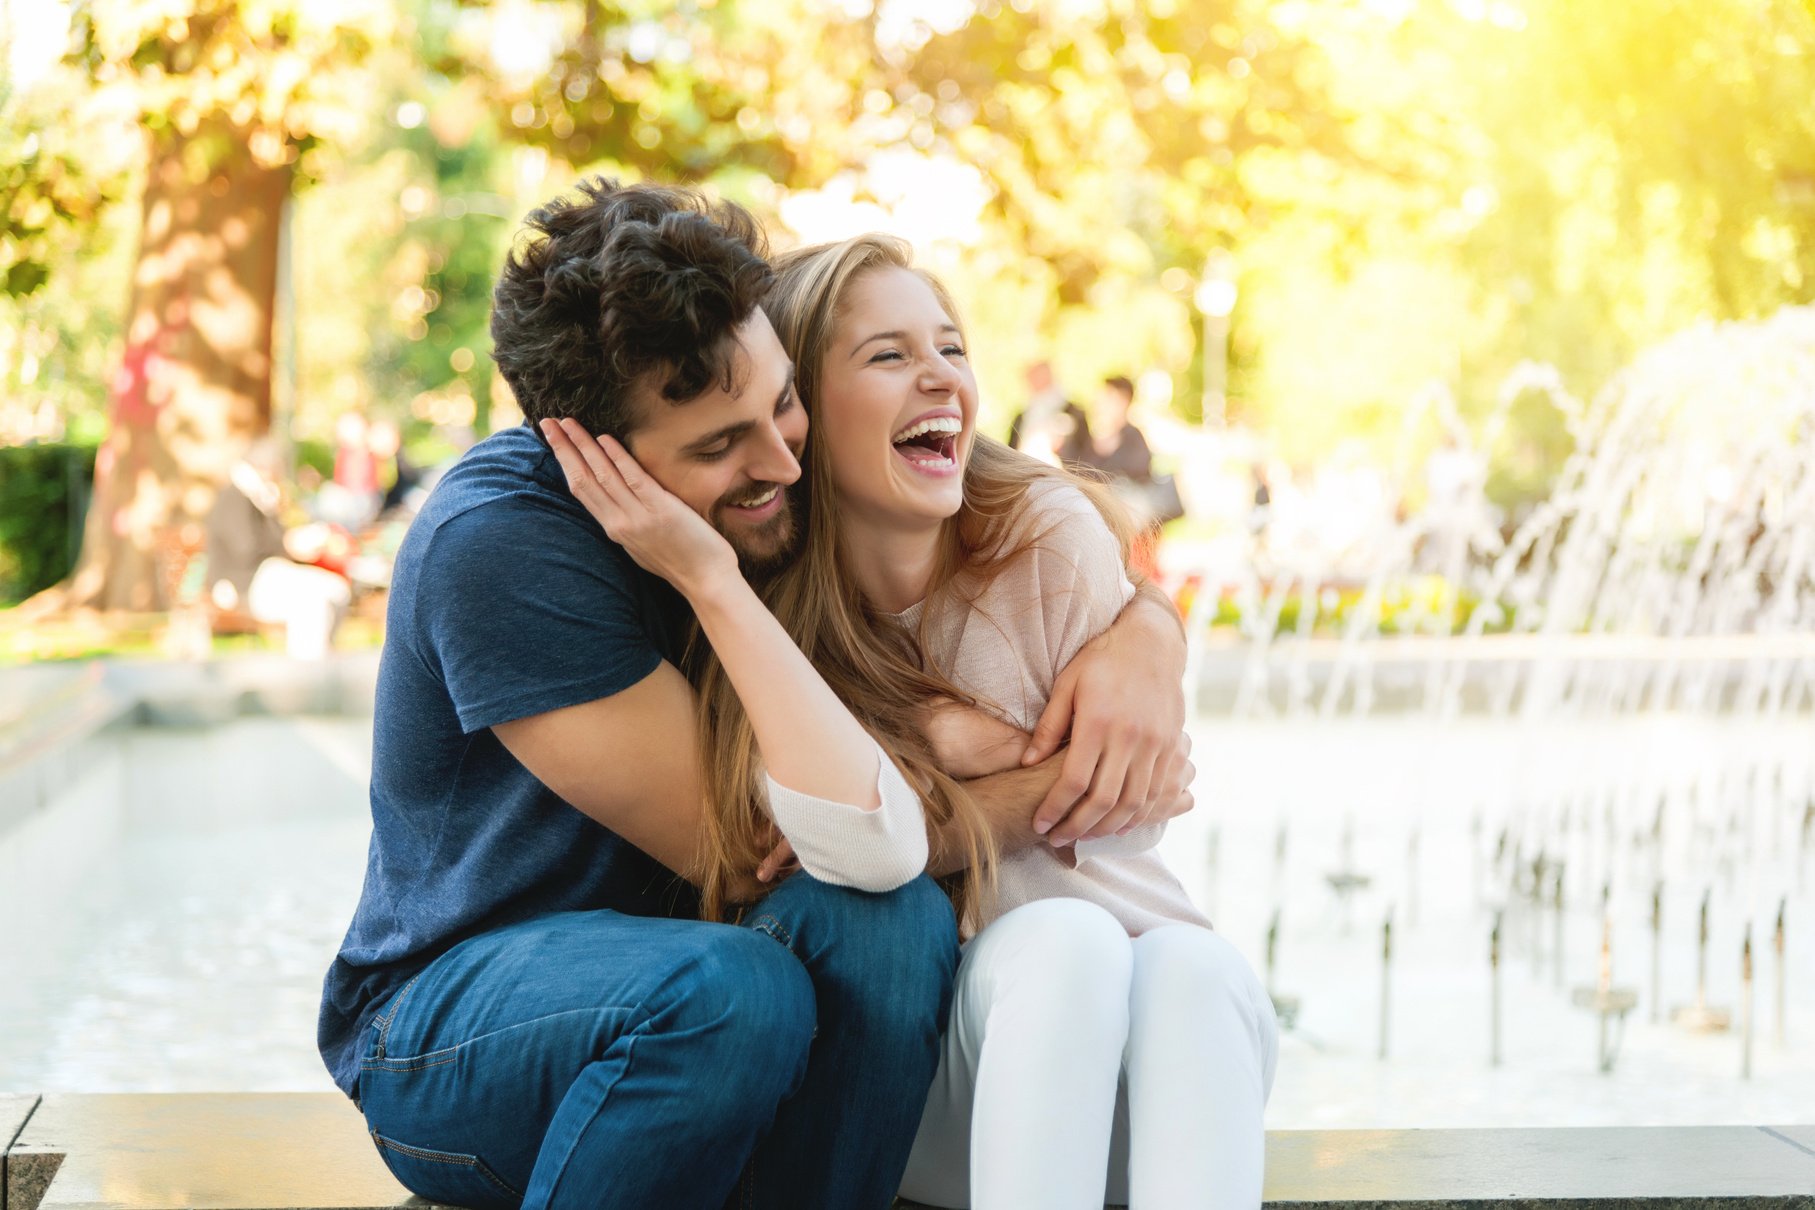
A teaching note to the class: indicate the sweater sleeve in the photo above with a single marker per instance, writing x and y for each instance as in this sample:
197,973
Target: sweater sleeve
1083,588
846,845
1078,572
1137,841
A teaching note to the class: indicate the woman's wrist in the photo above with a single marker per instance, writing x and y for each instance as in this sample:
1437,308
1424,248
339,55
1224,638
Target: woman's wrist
719,594
714,588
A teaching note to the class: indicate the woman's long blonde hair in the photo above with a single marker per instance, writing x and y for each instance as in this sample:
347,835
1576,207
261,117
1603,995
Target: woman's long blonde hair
869,660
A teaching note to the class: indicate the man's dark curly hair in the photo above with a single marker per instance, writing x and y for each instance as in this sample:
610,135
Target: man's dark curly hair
619,283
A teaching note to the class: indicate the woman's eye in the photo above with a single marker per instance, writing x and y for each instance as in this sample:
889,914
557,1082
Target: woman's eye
953,351
887,355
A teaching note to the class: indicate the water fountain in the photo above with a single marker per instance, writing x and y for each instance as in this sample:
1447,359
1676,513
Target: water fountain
1700,1017
1284,1007
1777,944
1609,1004
1386,980
1493,966
1613,690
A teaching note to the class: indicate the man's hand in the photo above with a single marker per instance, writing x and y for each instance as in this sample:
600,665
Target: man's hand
779,863
1122,703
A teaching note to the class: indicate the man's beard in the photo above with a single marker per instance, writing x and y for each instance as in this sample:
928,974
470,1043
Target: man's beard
765,549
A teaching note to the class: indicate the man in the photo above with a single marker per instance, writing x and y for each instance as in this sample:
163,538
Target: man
1117,448
524,1006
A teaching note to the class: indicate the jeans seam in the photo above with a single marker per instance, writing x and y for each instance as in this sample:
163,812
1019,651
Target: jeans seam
384,1021
433,1058
771,927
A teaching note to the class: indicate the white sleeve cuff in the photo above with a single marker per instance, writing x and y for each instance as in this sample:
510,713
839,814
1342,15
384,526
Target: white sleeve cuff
847,845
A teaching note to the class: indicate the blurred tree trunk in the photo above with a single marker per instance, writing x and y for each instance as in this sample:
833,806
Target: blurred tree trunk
194,381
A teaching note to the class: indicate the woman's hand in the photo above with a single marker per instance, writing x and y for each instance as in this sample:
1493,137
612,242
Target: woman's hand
969,742
663,535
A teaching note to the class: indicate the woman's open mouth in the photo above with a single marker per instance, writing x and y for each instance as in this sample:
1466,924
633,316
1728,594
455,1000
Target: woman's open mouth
930,445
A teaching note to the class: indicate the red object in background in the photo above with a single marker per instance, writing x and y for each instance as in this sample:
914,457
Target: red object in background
339,551
1144,555
356,469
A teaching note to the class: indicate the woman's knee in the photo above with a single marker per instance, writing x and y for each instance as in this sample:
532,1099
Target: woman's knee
1190,964
1067,954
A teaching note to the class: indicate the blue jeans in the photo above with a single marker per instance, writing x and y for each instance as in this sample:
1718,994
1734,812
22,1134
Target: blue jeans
597,1059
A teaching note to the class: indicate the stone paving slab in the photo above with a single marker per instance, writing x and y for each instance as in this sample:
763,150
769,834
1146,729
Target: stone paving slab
309,1151
207,1151
15,1108
1656,1168
1800,1137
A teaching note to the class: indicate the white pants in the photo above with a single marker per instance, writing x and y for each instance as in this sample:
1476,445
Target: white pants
1081,1065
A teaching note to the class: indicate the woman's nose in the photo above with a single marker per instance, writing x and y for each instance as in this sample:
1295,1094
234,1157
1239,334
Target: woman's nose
939,375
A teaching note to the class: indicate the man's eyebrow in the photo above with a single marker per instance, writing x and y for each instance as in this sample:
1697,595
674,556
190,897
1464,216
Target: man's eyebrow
897,334
731,432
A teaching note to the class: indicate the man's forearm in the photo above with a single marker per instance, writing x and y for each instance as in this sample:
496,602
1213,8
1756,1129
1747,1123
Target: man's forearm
1007,801
1156,612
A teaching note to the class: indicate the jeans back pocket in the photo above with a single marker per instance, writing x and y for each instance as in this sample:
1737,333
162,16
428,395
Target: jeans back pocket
448,1177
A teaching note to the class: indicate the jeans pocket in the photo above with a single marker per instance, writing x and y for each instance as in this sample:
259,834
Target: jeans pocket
448,1177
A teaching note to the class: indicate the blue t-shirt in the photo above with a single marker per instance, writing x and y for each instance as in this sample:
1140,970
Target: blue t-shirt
507,600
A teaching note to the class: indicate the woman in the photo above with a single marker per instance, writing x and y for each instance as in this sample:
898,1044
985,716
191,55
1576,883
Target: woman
946,580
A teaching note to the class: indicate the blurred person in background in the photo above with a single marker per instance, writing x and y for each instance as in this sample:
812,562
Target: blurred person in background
1118,451
1117,448
350,499
1050,427
258,568
401,478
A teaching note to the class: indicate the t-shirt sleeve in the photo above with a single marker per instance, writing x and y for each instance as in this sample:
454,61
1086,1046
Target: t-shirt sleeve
525,609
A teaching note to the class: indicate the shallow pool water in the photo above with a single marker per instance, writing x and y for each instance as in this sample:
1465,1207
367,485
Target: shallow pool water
170,918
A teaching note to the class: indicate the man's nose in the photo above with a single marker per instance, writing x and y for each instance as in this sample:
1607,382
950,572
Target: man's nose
775,461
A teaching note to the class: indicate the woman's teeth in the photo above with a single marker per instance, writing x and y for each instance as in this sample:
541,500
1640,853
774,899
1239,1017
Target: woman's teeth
932,424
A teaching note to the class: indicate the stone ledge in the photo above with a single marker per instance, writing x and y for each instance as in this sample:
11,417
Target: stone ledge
203,1151
308,1151
16,1110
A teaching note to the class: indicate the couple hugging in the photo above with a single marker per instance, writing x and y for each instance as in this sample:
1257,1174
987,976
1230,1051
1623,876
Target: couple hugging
721,853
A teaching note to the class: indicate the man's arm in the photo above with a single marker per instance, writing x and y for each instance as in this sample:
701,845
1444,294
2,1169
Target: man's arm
1122,702
629,761
1008,801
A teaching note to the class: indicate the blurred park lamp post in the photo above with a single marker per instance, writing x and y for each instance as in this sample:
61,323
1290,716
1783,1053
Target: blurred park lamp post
1215,297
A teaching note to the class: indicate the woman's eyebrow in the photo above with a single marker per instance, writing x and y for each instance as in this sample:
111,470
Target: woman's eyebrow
897,334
